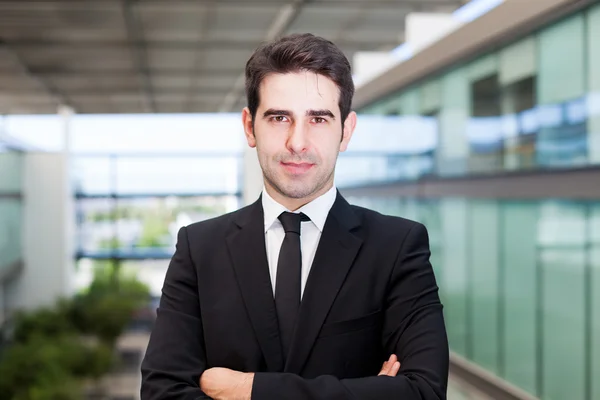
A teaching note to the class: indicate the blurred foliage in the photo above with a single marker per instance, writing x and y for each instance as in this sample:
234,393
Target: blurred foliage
155,232
54,351
154,219
169,213
110,243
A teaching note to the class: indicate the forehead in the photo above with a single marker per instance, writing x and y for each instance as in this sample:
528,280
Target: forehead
299,90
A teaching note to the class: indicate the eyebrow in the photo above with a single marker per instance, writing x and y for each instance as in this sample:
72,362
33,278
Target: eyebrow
272,111
320,113
309,113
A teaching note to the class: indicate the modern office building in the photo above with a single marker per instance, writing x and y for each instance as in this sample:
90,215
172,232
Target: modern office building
509,187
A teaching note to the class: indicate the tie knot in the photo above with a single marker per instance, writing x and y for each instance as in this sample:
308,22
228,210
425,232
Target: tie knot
291,221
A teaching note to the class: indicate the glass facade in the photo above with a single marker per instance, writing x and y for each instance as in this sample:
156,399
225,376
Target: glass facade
136,180
533,104
10,207
139,178
520,282
519,279
139,227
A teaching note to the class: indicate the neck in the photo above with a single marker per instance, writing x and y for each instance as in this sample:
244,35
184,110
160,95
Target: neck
293,204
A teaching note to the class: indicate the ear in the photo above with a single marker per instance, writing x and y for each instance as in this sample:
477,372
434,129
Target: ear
248,127
349,126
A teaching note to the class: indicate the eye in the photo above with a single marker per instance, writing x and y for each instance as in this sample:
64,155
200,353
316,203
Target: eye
319,120
278,118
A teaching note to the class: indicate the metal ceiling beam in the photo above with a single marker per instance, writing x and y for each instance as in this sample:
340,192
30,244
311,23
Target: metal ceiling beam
123,91
69,71
200,56
59,97
20,4
284,19
139,52
143,46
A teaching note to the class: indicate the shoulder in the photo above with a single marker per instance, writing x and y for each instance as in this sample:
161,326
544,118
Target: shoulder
388,228
371,217
216,226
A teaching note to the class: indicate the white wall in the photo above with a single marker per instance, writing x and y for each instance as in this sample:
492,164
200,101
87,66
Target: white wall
253,179
47,235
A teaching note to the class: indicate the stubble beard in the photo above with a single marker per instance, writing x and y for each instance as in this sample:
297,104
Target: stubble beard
295,188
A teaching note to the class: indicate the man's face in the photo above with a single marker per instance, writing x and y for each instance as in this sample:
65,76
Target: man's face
298,133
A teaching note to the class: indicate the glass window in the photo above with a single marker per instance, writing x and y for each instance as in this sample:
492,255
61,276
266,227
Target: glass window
453,216
453,119
512,280
562,141
10,232
93,175
595,301
188,133
518,260
561,54
483,67
483,242
393,106
409,102
177,175
534,103
593,68
562,256
11,175
157,175
144,227
518,61
431,97
38,132
518,103
484,127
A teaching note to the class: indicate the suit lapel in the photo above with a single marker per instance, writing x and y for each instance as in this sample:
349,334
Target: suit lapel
335,255
246,244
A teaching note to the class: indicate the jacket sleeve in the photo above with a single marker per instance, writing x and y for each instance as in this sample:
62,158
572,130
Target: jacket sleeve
175,358
414,330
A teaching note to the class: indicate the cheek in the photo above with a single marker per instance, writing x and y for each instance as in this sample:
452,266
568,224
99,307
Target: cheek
328,147
267,146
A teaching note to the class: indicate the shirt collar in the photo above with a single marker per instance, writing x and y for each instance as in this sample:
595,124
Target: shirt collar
317,210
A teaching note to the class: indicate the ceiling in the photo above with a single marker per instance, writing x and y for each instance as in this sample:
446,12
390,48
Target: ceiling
168,56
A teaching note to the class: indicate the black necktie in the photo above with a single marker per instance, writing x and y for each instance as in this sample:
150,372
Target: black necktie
289,273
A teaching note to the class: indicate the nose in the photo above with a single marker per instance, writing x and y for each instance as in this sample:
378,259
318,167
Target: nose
298,138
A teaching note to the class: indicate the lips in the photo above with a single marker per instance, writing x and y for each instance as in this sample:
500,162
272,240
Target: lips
295,168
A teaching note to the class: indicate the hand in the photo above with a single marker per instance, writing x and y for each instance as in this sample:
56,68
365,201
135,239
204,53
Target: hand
390,367
226,384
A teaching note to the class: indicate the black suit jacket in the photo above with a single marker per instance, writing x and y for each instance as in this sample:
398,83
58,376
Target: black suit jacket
371,292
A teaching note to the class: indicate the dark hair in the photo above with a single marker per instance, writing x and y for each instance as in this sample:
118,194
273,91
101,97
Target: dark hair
300,52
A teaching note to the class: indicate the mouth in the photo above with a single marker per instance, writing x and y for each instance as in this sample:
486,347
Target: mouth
296,168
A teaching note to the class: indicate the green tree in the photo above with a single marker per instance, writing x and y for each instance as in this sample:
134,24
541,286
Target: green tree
156,227
54,351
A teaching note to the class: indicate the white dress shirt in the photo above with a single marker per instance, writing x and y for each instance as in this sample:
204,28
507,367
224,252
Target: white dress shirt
310,231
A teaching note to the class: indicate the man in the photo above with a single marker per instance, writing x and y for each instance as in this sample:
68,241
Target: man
299,295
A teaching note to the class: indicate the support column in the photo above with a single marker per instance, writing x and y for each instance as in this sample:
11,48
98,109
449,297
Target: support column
48,229
253,178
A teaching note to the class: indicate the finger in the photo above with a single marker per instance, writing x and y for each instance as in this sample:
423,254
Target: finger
384,369
394,369
387,366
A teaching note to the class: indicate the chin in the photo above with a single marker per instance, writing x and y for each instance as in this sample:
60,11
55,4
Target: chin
296,191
